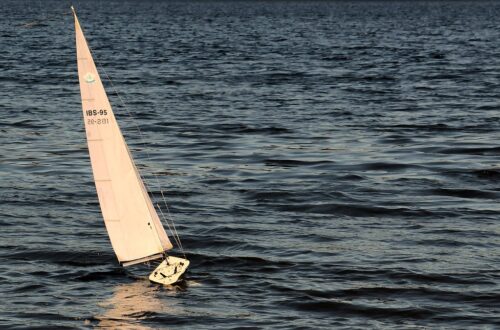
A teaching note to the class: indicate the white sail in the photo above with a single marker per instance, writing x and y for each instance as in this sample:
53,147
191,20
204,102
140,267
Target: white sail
134,228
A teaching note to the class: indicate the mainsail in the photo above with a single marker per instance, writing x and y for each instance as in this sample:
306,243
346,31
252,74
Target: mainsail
133,225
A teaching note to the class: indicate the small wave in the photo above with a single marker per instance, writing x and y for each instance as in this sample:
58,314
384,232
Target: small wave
29,288
26,123
271,195
336,58
336,306
464,193
275,78
71,258
440,127
487,174
247,129
356,210
387,166
484,151
483,174
85,276
294,163
243,263
396,139
375,78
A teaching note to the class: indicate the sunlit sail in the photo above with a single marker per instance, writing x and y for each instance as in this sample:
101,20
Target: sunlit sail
135,230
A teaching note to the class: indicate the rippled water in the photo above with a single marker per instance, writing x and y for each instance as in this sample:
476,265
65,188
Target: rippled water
328,164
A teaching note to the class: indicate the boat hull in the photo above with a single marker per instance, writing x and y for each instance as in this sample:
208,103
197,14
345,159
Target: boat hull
169,271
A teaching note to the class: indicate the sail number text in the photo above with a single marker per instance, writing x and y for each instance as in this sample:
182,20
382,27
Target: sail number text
96,112
97,121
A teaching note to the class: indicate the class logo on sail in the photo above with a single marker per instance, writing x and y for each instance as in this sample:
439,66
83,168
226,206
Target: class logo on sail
89,78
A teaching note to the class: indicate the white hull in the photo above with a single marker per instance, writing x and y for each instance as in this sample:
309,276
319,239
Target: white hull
169,271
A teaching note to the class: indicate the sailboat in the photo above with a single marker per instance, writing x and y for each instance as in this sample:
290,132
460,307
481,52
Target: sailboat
134,227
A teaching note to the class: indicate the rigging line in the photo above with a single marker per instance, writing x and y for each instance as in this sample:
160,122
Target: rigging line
174,233
177,241
142,192
165,201
173,224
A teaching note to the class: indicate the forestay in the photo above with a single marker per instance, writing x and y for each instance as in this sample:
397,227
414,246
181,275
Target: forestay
133,225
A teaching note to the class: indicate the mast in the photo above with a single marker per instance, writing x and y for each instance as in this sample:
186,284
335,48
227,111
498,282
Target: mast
134,228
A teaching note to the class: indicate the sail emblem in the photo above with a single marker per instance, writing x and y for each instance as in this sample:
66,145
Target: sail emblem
89,78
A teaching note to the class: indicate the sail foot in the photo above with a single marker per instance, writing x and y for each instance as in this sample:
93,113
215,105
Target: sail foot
141,260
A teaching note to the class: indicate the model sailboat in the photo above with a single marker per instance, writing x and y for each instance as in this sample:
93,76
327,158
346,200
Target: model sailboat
135,230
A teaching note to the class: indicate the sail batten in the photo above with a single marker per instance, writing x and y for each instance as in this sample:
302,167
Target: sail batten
134,228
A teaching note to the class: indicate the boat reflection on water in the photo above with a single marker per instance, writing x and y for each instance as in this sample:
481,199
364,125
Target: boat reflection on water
131,303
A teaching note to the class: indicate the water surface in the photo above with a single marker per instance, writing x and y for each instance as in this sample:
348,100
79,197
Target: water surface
328,164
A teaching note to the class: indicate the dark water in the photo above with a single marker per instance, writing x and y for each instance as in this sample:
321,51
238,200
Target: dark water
329,165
